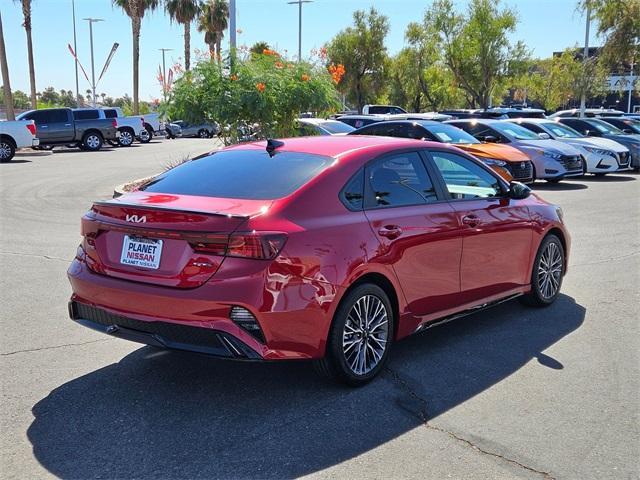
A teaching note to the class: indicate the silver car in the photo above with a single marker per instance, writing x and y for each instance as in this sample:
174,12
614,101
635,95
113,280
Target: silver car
552,160
200,129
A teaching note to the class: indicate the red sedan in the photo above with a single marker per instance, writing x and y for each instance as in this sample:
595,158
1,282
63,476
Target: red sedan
324,248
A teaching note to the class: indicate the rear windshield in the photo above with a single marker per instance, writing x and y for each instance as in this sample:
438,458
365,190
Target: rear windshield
242,174
333,126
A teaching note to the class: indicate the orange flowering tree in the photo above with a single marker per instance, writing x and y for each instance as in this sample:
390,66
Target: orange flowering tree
265,89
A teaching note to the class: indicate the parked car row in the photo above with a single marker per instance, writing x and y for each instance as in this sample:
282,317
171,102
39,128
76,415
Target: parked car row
88,129
556,147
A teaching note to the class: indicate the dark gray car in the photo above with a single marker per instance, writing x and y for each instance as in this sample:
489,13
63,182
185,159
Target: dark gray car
64,126
200,129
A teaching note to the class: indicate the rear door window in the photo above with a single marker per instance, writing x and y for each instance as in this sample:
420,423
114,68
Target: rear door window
398,180
110,113
86,114
242,174
463,178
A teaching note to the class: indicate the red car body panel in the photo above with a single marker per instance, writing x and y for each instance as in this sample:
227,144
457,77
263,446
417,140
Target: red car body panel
439,265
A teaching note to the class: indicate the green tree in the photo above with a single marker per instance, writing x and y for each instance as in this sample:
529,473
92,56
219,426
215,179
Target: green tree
50,96
476,46
619,25
26,14
136,9
21,100
184,12
362,51
259,47
214,20
67,98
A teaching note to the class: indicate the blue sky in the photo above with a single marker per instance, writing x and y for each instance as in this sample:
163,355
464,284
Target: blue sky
545,26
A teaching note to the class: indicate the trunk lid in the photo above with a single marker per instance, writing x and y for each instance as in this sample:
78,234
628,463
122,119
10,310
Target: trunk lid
163,239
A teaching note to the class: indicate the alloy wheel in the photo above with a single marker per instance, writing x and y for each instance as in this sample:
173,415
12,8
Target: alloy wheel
550,270
365,334
204,134
126,138
144,135
5,150
93,141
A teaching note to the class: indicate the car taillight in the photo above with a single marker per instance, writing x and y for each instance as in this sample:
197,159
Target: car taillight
32,128
142,120
114,122
258,245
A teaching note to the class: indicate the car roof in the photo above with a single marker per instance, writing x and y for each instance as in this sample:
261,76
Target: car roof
315,121
411,121
486,121
341,145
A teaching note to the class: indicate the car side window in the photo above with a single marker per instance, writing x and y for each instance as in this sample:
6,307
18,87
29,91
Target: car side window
463,178
352,194
110,114
398,180
86,114
533,127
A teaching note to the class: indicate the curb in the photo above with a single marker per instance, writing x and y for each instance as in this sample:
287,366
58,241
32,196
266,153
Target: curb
119,190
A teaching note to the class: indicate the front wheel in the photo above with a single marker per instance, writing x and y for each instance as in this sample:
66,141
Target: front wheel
360,337
203,134
546,276
92,141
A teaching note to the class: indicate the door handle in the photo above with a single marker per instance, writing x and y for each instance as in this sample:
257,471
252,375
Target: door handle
471,220
42,126
390,231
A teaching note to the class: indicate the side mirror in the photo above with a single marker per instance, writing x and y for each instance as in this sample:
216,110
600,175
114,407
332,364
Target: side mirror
518,191
544,136
489,139
628,131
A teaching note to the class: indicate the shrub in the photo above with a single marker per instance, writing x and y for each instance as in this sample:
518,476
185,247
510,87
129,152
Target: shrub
264,89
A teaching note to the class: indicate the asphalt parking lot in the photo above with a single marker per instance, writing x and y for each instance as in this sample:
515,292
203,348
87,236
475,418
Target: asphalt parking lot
506,393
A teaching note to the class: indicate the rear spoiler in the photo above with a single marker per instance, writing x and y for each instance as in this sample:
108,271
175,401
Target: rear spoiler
112,203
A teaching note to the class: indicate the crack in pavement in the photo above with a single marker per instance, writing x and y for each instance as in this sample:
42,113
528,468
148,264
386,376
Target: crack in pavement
605,260
54,347
47,257
423,417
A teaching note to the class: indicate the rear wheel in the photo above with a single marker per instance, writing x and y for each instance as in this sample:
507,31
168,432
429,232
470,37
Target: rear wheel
547,272
7,150
202,133
360,337
92,141
126,137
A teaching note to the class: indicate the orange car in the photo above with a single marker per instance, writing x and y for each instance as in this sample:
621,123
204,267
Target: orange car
510,163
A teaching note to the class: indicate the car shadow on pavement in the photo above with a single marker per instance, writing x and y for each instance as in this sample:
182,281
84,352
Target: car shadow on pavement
157,414
14,161
608,178
562,185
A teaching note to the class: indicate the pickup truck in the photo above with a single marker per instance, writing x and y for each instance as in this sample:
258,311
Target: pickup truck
150,124
130,128
16,134
64,126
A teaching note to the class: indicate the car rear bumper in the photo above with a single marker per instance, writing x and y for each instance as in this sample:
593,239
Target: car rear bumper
293,315
162,334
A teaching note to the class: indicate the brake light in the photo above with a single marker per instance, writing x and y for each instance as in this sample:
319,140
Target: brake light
32,128
142,120
114,122
258,245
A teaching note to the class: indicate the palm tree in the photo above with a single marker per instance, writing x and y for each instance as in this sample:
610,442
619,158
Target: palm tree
213,22
6,86
26,13
258,48
184,11
135,9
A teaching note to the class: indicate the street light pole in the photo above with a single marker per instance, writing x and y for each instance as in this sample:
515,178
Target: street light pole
630,88
164,73
232,25
93,70
299,3
75,49
585,56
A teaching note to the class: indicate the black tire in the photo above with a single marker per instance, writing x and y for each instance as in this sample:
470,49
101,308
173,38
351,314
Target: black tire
92,141
146,137
7,150
537,297
127,136
335,365
554,180
203,133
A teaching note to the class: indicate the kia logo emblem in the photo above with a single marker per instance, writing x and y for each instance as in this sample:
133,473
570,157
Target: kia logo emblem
136,218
